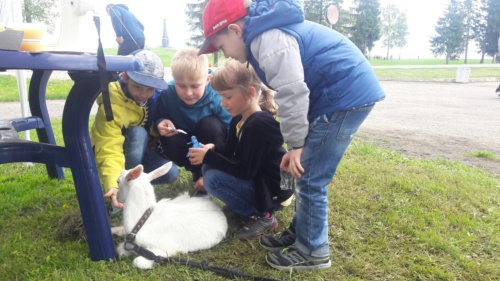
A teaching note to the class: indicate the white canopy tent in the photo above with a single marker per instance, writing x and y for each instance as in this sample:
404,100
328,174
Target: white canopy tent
76,16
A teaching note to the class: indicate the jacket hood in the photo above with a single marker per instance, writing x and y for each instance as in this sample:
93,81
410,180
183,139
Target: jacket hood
264,15
123,6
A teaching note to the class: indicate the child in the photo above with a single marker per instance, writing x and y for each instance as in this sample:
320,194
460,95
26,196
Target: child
123,142
245,172
189,103
325,88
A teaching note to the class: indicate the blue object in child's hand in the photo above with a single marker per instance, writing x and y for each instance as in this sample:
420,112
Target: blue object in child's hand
194,143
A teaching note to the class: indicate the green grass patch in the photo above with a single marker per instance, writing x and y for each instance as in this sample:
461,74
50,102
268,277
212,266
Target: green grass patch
434,73
164,53
484,154
57,89
377,62
391,217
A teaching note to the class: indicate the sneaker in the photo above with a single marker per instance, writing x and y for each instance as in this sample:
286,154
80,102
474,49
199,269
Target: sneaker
291,258
278,241
255,227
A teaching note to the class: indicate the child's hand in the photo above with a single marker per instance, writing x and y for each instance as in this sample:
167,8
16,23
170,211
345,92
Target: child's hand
165,128
113,194
196,155
291,163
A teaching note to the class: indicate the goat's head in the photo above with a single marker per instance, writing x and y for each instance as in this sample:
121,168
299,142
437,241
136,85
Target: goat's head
128,177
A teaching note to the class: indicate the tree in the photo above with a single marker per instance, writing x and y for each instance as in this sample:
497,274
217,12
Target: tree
315,11
41,11
472,16
450,30
401,33
394,28
479,29
194,12
367,25
492,32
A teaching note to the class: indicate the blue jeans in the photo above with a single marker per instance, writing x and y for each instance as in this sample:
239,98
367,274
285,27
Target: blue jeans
136,151
236,193
328,138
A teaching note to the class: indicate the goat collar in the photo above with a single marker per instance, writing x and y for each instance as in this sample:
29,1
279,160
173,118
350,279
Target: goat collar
139,224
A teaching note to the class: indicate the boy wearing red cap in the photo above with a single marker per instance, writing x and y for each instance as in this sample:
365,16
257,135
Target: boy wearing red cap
325,88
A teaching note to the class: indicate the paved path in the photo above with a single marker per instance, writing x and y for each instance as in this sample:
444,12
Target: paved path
438,120
9,110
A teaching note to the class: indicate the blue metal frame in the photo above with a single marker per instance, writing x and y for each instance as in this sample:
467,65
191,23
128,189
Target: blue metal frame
77,153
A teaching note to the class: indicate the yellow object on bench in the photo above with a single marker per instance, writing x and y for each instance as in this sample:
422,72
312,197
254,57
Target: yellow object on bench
33,36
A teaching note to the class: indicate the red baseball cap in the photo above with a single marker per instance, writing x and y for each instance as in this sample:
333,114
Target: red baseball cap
219,14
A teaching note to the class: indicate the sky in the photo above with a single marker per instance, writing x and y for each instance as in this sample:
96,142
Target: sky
421,15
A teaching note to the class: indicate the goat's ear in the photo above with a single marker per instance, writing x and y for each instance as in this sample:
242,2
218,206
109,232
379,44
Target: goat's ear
134,173
160,171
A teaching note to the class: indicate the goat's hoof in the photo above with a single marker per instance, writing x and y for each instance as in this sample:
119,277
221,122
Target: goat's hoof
143,263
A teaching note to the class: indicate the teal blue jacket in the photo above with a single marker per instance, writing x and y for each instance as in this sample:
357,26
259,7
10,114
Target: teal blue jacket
186,117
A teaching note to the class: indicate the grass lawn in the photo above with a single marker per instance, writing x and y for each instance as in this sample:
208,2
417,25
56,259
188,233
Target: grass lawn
391,217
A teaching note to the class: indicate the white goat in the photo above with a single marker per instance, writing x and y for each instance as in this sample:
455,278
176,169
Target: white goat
180,225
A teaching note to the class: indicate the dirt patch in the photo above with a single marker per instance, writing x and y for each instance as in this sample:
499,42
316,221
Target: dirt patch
425,146
438,120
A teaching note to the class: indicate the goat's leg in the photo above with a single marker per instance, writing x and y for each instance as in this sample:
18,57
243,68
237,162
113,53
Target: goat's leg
118,231
143,263
121,251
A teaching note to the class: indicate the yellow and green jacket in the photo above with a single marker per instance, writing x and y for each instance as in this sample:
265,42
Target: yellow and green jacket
106,136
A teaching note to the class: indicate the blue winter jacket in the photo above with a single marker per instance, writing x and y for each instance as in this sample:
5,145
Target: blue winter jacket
336,72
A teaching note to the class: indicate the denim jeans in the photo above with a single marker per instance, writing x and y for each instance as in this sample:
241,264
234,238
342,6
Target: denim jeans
136,151
328,138
236,193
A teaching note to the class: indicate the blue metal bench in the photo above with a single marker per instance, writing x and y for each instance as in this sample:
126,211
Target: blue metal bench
77,153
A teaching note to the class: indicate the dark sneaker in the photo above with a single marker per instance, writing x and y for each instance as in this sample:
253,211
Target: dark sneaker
255,227
278,241
291,258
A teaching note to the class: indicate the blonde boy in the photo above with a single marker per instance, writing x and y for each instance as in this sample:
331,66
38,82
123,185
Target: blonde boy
189,103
